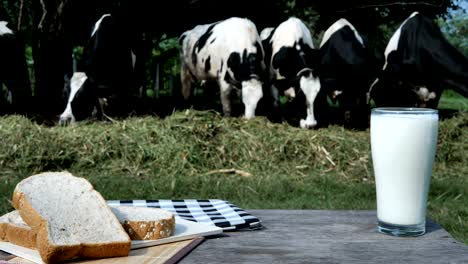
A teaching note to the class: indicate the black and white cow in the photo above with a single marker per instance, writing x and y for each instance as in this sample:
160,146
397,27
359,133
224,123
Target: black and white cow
13,72
108,76
347,68
419,64
291,59
228,52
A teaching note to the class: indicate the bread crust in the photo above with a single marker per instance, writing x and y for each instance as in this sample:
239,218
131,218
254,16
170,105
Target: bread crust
3,228
51,253
21,236
150,230
18,234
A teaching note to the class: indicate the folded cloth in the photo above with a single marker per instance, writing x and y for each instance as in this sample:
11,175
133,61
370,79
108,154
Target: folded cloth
215,212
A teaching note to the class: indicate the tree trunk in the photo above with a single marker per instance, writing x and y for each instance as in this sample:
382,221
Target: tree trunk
156,81
52,52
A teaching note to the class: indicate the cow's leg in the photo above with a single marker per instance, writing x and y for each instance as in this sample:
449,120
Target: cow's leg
186,81
225,89
275,96
310,86
276,114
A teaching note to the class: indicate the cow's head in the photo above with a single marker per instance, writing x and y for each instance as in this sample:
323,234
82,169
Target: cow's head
248,69
293,63
389,91
82,101
296,69
309,83
251,93
348,94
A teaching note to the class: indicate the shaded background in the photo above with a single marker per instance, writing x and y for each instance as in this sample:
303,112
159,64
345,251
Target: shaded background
54,30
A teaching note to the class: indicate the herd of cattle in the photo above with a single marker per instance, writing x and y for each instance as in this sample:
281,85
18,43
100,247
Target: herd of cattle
282,61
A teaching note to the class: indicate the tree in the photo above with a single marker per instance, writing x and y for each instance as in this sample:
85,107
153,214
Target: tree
376,20
454,26
52,51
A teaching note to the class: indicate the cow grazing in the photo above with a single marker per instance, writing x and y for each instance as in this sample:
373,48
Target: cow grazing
75,86
291,59
419,64
228,52
13,72
108,76
347,68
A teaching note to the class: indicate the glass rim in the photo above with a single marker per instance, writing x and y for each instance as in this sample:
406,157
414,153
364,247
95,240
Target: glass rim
404,110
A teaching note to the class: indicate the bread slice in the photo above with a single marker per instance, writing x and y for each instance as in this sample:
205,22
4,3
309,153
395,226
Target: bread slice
144,223
70,218
140,223
16,231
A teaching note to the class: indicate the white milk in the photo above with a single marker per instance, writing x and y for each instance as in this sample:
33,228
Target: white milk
403,151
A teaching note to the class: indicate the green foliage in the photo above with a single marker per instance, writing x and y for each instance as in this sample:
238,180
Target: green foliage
453,100
306,13
78,53
9,12
454,26
30,64
164,53
172,65
180,157
168,43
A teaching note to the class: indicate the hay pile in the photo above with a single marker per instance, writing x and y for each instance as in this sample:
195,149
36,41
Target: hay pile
197,143
254,163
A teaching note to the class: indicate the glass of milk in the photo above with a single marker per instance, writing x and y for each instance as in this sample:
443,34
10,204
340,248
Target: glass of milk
403,143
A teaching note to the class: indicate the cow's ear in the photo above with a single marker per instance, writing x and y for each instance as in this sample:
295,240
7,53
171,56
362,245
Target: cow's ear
281,57
234,61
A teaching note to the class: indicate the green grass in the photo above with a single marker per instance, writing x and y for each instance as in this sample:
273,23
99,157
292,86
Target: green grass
174,158
453,100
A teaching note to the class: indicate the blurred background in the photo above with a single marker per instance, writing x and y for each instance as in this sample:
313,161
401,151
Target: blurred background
55,32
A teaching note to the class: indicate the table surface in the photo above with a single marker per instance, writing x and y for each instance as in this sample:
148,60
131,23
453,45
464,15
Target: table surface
318,236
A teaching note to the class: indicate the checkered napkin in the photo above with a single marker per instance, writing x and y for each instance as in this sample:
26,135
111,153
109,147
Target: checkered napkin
216,212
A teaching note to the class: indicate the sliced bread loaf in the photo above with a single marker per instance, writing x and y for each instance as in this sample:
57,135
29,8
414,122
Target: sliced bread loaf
70,218
16,231
143,223
140,223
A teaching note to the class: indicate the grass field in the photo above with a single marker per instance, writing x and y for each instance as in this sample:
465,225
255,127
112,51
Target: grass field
179,157
454,101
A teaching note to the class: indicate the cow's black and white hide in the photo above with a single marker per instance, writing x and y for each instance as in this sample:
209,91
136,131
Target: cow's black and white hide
13,72
82,101
291,61
108,75
228,52
347,68
420,64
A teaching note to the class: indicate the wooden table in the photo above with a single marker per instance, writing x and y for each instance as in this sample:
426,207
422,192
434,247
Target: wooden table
316,236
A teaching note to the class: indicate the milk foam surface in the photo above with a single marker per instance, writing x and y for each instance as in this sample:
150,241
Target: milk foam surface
403,151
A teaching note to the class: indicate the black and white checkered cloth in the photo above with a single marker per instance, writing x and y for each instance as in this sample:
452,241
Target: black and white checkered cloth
216,212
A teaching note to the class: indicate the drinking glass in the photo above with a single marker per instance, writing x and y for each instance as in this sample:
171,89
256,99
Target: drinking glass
403,144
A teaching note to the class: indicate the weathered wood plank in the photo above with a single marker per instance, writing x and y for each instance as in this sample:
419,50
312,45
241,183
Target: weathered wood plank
312,236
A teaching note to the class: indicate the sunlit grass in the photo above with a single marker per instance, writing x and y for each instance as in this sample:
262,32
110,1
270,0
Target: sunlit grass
452,100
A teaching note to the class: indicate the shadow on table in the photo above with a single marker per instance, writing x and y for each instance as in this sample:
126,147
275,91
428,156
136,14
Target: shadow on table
431,226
